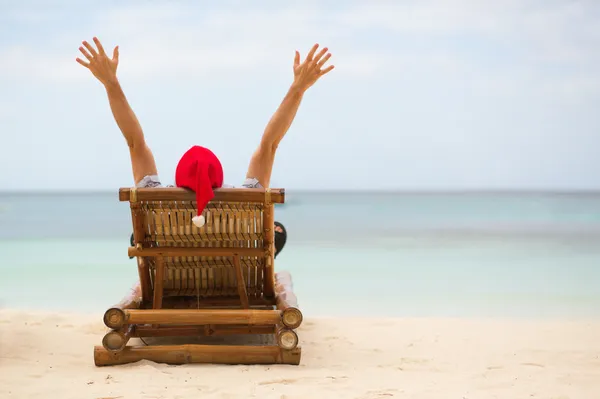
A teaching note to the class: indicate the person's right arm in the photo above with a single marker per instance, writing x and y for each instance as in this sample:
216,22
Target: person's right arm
105,70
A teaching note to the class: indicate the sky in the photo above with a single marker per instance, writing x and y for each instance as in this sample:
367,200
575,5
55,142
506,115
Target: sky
426,95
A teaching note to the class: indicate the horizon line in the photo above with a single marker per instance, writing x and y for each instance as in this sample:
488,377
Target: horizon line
349,191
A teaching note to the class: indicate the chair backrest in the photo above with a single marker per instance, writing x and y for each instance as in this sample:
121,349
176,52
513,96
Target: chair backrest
208,263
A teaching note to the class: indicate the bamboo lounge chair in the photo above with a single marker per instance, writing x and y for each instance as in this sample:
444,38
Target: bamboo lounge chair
214,280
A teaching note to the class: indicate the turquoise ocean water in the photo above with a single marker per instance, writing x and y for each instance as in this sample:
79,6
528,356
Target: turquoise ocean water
350,254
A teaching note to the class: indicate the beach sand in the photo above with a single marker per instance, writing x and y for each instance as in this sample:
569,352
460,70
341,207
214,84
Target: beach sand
44,355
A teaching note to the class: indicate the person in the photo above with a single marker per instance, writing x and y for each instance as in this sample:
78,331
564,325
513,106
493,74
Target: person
258,175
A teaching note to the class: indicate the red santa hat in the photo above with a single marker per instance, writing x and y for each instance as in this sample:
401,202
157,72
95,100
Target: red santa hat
199,170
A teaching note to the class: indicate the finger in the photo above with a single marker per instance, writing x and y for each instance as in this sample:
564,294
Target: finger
320,54
297,59
324,60
99,45
116,54
326,70
82,62
90,48
85,53
311,53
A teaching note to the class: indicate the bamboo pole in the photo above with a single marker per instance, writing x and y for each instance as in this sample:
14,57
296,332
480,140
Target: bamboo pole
183,302
256,195
206,330
159,279
286,300
286,338
241,284
169,317
183,354
194,251
144,274
117,340
114,317
269,248
137,216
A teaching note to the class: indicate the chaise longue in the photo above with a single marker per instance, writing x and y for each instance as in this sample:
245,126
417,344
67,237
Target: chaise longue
217,280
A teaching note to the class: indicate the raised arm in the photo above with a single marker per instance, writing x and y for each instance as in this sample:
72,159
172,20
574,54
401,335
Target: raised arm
305,75
105,70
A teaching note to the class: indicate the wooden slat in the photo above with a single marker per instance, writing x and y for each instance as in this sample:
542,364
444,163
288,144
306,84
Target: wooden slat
221,194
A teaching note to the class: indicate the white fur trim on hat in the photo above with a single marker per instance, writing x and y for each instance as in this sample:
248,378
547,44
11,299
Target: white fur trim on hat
198,221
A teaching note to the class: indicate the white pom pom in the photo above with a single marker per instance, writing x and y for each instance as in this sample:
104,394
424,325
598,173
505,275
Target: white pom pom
198,221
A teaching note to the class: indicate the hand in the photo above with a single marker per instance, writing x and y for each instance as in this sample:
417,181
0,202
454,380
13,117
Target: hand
307,73
103,68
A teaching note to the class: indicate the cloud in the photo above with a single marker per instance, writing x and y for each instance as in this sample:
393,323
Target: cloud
22,62
435,39
559,30
162,39
7,110
425,17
